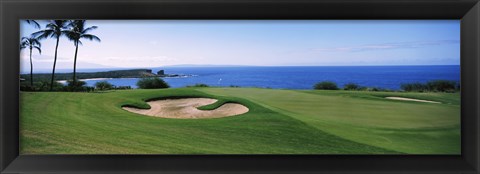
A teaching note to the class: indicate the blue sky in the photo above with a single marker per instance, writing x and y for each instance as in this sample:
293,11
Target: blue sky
156,43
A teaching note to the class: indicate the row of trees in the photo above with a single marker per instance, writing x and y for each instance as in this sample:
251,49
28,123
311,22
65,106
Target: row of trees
144,83
329,85
74,30
433,86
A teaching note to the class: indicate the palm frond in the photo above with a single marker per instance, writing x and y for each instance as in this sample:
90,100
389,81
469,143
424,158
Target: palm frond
34,23
38,48
51,26
89,28
90,37
55,28
80,25
71,35
35,41
42,34
24,43
30,42
77,31
61,24
23,39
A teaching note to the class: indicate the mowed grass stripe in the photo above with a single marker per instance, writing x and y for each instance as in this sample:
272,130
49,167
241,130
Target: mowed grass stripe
94,123
367,117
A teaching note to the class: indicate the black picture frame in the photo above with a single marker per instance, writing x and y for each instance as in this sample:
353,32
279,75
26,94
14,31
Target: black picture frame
12,11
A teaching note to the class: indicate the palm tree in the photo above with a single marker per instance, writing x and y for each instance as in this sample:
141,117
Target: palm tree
79,30
53,30
31,43
34,23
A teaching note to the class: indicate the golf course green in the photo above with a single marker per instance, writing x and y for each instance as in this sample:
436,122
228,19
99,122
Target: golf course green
277,122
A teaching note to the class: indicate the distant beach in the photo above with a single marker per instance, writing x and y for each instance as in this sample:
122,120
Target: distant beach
94,79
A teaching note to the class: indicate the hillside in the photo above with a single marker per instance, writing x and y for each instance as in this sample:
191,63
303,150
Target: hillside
133,73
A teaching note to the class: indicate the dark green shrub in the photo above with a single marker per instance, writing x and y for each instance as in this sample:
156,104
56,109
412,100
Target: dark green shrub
416,86
326,85
152,83
87,89
362,88
103,85
43,85
76,86
442,85
373,89
351,86
434,86
27,87
199,85
77,83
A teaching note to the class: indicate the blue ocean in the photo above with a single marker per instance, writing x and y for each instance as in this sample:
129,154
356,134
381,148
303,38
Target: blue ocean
300,77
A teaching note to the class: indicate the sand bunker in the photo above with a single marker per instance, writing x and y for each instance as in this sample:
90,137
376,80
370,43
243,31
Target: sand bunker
411,99
187,108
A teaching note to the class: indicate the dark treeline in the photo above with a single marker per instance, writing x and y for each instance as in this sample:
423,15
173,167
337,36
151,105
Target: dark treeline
80,86
88,75
430,86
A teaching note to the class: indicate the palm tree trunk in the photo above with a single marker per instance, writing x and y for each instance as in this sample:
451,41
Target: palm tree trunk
31,69
54,63
75,65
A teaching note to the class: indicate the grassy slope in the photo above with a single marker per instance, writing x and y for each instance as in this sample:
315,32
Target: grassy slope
86,123
367,117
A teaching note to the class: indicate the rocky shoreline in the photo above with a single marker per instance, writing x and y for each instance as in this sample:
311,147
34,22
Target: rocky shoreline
133,73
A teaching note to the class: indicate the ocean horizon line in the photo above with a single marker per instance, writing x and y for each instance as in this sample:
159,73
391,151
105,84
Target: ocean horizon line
207,65
220,66
293,77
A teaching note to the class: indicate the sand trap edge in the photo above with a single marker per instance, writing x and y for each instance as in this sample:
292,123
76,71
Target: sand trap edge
187,108
412,99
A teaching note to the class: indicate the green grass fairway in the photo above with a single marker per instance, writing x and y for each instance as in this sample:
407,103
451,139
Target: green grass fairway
279,122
